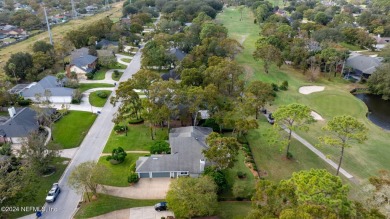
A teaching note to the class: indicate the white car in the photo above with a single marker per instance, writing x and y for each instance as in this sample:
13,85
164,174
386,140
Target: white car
53,193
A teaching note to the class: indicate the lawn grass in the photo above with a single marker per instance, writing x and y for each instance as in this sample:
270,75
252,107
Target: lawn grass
97,101
350,46
117,65
100,75
84,87
58,32
233,210
138,138
119,172
361,160
106,203
116,78
126,60
247,183
40,186
70,130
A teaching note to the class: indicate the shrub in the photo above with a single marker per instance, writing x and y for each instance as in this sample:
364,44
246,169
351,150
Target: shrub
132,167
118,155
102,94
275,87
160,147
212,124
5,149
136,121
24,102
120,128
75,101
284,85
238,191
289,155
242,140
218,177
241,175
133,178
116,73
89,76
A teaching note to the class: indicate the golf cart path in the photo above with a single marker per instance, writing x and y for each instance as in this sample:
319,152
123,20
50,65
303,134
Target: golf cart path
320,154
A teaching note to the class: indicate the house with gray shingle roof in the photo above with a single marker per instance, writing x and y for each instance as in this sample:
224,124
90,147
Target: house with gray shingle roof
81,63
20,125
362,65
186,158
49,88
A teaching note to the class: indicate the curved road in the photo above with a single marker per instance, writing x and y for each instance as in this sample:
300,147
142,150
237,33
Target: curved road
89,150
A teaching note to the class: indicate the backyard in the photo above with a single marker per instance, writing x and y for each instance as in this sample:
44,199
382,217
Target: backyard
70,130
119,172
361,161
99,98
138,138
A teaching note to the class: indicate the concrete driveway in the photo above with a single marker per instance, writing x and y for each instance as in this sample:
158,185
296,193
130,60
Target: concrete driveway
155,188
135,213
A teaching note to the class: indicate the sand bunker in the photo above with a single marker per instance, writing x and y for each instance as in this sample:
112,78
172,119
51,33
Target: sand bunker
316,116
310,89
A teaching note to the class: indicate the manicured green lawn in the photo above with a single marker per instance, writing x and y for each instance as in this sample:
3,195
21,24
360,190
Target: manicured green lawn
350,46
126,60
40,186
138,138
106,203
119,172
116,78
233,209
97,101
117,65
84,87
70,130
247,183
362,160
100,75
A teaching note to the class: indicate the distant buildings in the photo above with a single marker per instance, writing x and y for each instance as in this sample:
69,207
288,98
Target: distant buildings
363,66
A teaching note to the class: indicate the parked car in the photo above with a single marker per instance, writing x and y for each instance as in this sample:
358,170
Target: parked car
53,193
270,119
162,206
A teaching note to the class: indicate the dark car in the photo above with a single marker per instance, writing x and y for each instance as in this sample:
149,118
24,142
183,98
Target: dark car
53,193
162,206
270,119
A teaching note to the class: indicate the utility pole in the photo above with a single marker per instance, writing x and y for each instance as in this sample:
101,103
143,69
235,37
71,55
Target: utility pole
74,12
48,26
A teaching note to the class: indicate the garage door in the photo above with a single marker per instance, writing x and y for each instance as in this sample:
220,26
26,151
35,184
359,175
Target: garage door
144,175
160,174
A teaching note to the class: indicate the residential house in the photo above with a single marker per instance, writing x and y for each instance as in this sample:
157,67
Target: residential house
20,124
170,75
177,53
81,63
186,158
381,42
363,66
107,44
49,88
91,8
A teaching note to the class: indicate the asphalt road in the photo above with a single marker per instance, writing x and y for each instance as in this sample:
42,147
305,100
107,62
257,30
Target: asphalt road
90,149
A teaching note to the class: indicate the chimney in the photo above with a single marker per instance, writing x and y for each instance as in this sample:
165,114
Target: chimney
202,164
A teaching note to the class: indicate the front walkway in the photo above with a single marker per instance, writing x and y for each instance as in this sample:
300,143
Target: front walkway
146,188
84,105
119,58
107,78
135,213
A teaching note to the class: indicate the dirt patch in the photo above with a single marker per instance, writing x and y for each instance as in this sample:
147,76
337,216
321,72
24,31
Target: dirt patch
250,167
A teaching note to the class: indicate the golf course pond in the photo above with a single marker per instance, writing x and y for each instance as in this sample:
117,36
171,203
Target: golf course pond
379,109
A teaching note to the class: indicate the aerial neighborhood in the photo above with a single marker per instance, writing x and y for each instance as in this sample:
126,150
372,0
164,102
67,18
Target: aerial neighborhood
217,109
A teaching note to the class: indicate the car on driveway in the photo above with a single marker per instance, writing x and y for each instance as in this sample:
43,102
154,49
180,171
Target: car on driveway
53,193
161,206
